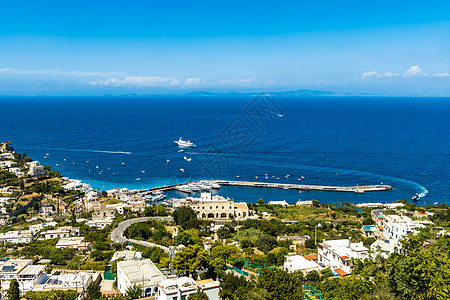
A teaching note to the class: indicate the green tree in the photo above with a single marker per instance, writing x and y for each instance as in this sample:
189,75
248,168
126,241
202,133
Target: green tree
93,292
266,243
219,266
190,259
260,201
280,284
134,292
13,291
198,295
223,251
185,217
186,239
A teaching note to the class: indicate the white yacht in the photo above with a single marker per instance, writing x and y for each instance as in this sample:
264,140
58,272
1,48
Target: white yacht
182,143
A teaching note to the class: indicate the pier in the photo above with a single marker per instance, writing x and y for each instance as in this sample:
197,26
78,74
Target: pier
359,189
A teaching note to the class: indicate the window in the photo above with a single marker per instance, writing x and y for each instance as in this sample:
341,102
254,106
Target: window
175,298
183,297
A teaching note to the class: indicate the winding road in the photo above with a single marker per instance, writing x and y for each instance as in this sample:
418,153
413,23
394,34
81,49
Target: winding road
117,233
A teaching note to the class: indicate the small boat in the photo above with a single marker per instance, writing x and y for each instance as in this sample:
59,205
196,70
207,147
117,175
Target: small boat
256,177
88,162
182,170
96,167
181,150
299,179
142,171
189,159
123,164
138,179
47,154
185,158
168,161
182,143
237,176
45,157
303,177
57,165
435,203
64,159
267,177
278,178
416,197
73,163
358,191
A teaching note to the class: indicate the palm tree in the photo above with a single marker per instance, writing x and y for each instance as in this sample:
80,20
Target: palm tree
134,292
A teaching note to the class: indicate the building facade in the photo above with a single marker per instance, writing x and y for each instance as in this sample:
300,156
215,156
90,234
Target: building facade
337,255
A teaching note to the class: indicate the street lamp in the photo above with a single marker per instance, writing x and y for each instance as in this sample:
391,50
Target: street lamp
315,233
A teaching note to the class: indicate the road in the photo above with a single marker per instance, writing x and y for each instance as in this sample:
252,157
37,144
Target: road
117,233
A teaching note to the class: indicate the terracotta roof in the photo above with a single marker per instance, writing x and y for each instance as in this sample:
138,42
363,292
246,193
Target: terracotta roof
340,272
311,257
345,257
242,206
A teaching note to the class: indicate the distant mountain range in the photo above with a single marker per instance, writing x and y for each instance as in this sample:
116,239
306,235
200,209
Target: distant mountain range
296,93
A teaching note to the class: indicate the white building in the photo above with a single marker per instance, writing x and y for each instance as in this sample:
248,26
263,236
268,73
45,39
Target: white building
385,248
54,234
337,255
15,237
139,272
396,227
60,280
214,207
5,191
277,202
180,288
35,169
15,171
127,255
73,242
299,263
22,270
100,224
6,164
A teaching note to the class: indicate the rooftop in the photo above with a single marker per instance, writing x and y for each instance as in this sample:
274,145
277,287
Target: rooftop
141,271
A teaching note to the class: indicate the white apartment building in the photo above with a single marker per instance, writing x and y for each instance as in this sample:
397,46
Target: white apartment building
139,272
180,288
15,237
337,255
299,263
385,248
22,270
396,227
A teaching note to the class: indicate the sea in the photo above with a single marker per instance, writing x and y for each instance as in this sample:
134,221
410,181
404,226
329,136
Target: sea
120,142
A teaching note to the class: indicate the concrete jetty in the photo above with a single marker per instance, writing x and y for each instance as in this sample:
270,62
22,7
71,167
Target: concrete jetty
359,189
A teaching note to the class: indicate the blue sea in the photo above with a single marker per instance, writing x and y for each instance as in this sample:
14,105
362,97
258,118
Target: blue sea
403,142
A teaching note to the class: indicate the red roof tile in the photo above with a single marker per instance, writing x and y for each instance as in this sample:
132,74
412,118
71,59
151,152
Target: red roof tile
340,272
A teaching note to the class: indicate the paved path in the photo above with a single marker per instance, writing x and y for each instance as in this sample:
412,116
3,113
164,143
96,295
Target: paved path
117,233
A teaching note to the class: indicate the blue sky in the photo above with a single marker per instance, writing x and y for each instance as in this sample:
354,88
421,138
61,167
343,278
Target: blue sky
118,47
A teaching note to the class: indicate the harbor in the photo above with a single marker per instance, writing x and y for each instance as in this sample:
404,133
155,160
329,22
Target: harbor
358,189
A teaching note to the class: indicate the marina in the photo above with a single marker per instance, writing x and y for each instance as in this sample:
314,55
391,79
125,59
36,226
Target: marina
207,184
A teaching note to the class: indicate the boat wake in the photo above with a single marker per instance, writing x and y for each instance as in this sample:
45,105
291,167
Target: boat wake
90,150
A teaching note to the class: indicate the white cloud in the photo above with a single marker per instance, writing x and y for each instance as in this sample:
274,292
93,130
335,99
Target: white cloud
12,71
390,74
138,81
413,71
441,74
191,82
376,74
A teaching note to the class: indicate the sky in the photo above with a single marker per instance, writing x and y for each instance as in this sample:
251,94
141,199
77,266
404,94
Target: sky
399,48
